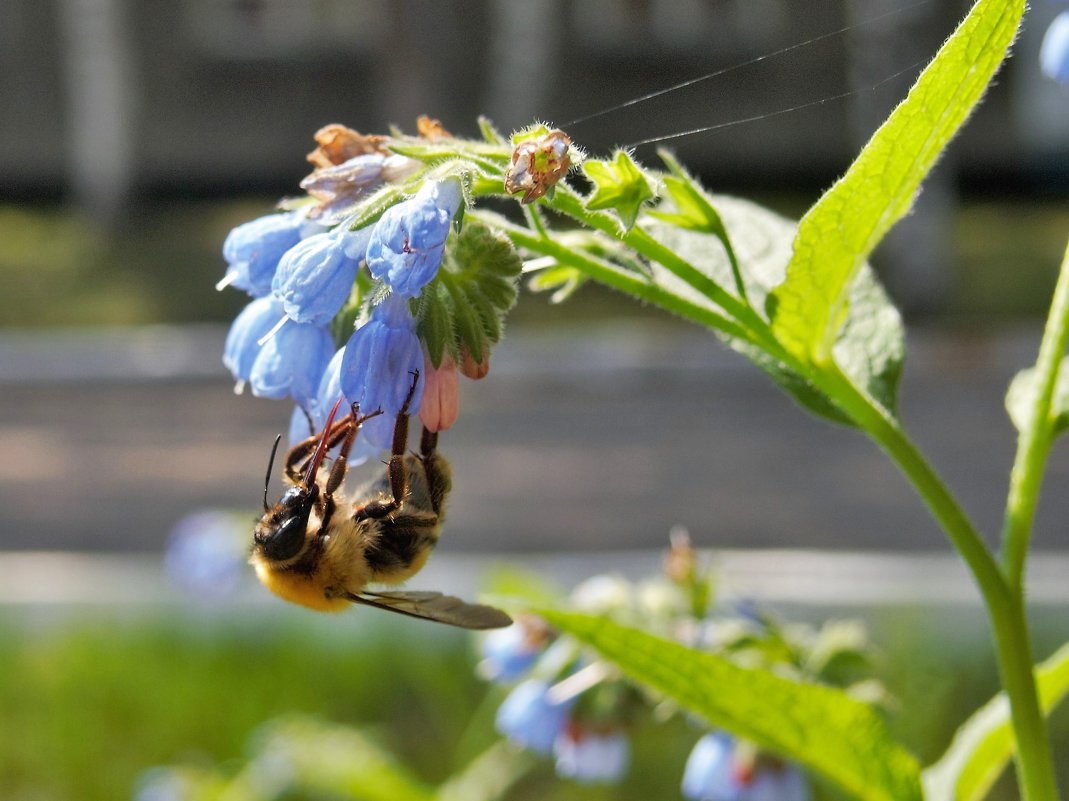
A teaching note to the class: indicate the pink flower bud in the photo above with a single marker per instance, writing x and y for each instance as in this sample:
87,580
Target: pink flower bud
473,369
440,394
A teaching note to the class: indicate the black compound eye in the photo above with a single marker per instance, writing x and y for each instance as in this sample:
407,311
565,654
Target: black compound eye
286,541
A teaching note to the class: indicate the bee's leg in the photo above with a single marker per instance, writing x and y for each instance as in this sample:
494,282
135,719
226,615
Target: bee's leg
438,480
428,442
396,469
301,454
341,464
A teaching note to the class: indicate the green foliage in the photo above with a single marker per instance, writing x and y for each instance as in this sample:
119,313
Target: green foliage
309,757
694,211
818,726
840,231
563,281
1021,399
464,307
88,707
619,185
985,743
300,757
870,347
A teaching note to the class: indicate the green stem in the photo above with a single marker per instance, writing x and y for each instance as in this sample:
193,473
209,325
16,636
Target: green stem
1004,602
613,276
888,433
1033,444
568,202
716,225
1035,766
1002,591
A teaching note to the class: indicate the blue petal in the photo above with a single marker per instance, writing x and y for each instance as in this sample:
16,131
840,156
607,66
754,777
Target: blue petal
1054,52
528,719
291,363
253,249
378,432
777,784
381,358
329,391
592,758
407,242
241,349
707,776
327,395
508,653
315,277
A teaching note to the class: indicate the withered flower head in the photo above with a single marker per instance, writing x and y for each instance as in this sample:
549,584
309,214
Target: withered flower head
431,129
538,164
338,144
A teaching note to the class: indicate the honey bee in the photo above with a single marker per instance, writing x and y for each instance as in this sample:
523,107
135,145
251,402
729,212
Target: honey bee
318,549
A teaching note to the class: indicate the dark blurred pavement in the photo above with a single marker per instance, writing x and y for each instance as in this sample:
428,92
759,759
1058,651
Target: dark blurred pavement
603,440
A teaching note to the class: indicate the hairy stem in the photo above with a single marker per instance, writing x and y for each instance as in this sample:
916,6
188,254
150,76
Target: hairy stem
615,277
1003,601
1033,444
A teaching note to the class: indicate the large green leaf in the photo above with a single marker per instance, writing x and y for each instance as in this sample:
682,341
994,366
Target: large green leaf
841,230
984,744
816,725
870,346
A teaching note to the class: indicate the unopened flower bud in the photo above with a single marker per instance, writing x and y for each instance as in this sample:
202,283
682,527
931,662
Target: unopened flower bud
471,368
441,401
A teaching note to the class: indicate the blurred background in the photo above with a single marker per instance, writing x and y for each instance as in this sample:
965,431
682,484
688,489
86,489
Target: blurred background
135,135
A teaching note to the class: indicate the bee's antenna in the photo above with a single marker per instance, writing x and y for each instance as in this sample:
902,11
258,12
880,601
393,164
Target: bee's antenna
270,465
321,449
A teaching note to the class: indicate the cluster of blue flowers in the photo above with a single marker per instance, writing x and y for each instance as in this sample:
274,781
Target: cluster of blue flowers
300,268
578,710
1054,52
546,716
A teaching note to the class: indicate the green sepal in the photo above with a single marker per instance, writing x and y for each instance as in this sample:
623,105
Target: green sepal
467,327
694,211
535,131
489,317
619,186
463,308
563,281
490,133
434,322
369,210
488,159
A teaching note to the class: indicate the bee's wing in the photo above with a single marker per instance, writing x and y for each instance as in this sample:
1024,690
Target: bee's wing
437,607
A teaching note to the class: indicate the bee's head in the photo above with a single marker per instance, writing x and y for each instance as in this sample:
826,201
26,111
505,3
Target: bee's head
281,532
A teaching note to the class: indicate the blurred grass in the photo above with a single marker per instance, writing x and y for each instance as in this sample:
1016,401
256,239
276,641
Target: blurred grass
57,269
91,701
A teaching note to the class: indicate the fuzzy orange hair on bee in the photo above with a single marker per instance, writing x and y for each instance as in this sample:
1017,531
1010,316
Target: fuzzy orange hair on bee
321,549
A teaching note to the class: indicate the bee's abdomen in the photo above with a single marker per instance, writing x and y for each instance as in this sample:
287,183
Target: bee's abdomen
401,549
